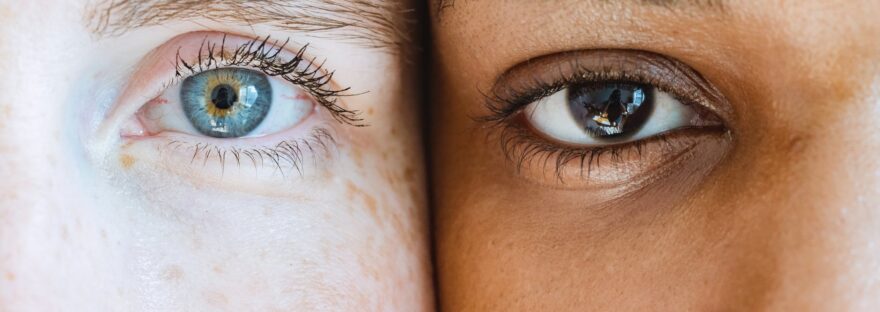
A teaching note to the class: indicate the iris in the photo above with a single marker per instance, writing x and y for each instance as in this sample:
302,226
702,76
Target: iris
226,102
609,110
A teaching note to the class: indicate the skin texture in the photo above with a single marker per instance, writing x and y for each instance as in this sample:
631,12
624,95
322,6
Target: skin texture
780,213
92,221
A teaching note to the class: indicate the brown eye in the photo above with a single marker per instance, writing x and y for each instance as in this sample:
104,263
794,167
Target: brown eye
602,113
610,110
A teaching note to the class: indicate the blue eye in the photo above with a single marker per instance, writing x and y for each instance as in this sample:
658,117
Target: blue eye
226,102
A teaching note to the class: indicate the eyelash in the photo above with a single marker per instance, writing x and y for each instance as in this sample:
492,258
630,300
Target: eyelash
522,146
502,107
285,154
262,55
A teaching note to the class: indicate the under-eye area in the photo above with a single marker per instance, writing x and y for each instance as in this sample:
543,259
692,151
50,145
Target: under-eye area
604,117
284,157
217,100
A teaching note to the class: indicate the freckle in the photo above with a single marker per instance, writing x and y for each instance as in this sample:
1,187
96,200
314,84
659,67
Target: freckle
389,177
370,111
172,273
410,174
196,242
9,276
357,156
267,211
7,110
126,160
217,269
215,298
351,189
371,206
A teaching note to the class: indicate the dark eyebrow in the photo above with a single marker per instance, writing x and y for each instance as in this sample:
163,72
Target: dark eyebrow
442,5
375,24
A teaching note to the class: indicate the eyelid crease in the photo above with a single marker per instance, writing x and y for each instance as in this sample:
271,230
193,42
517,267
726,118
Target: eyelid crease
540,77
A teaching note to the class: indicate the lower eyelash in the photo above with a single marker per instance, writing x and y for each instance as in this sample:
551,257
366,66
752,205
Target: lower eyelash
522,147
287,155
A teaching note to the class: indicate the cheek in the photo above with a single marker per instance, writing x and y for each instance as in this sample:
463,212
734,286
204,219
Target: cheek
217,238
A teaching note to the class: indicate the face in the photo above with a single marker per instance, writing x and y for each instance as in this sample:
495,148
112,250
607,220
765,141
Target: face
160,155
629,155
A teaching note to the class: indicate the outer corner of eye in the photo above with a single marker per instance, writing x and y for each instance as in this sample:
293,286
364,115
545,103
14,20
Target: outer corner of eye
603,113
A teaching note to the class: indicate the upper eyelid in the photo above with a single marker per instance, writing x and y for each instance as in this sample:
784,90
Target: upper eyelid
553,72
152,75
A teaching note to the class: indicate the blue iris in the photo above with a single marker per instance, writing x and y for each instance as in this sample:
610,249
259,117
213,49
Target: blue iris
226,102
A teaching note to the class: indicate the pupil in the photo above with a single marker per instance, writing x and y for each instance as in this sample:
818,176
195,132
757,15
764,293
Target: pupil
610,110
613,107
223,96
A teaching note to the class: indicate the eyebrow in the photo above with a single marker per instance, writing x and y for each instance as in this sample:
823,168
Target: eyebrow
443,5
374,24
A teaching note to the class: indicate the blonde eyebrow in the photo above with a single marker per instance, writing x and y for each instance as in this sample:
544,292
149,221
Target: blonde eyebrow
374,24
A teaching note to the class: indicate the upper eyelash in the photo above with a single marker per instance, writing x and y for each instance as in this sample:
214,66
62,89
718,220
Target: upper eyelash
503,106
263,55
697,93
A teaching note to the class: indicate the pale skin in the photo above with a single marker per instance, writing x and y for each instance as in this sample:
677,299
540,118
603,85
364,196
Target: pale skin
777,212
95,216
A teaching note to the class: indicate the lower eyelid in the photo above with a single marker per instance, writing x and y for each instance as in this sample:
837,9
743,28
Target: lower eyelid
554,165
289,155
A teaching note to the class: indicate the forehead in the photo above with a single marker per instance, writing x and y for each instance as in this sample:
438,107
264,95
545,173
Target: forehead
731,34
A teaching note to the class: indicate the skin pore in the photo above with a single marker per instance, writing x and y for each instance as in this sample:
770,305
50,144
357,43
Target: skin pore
101,211
774,208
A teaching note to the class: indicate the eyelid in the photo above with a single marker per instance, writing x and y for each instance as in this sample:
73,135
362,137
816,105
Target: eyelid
537,78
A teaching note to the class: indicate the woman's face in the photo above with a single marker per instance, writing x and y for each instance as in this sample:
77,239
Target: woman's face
629,155
198,155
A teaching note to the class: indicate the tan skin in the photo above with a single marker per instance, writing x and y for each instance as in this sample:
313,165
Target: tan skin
773,208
